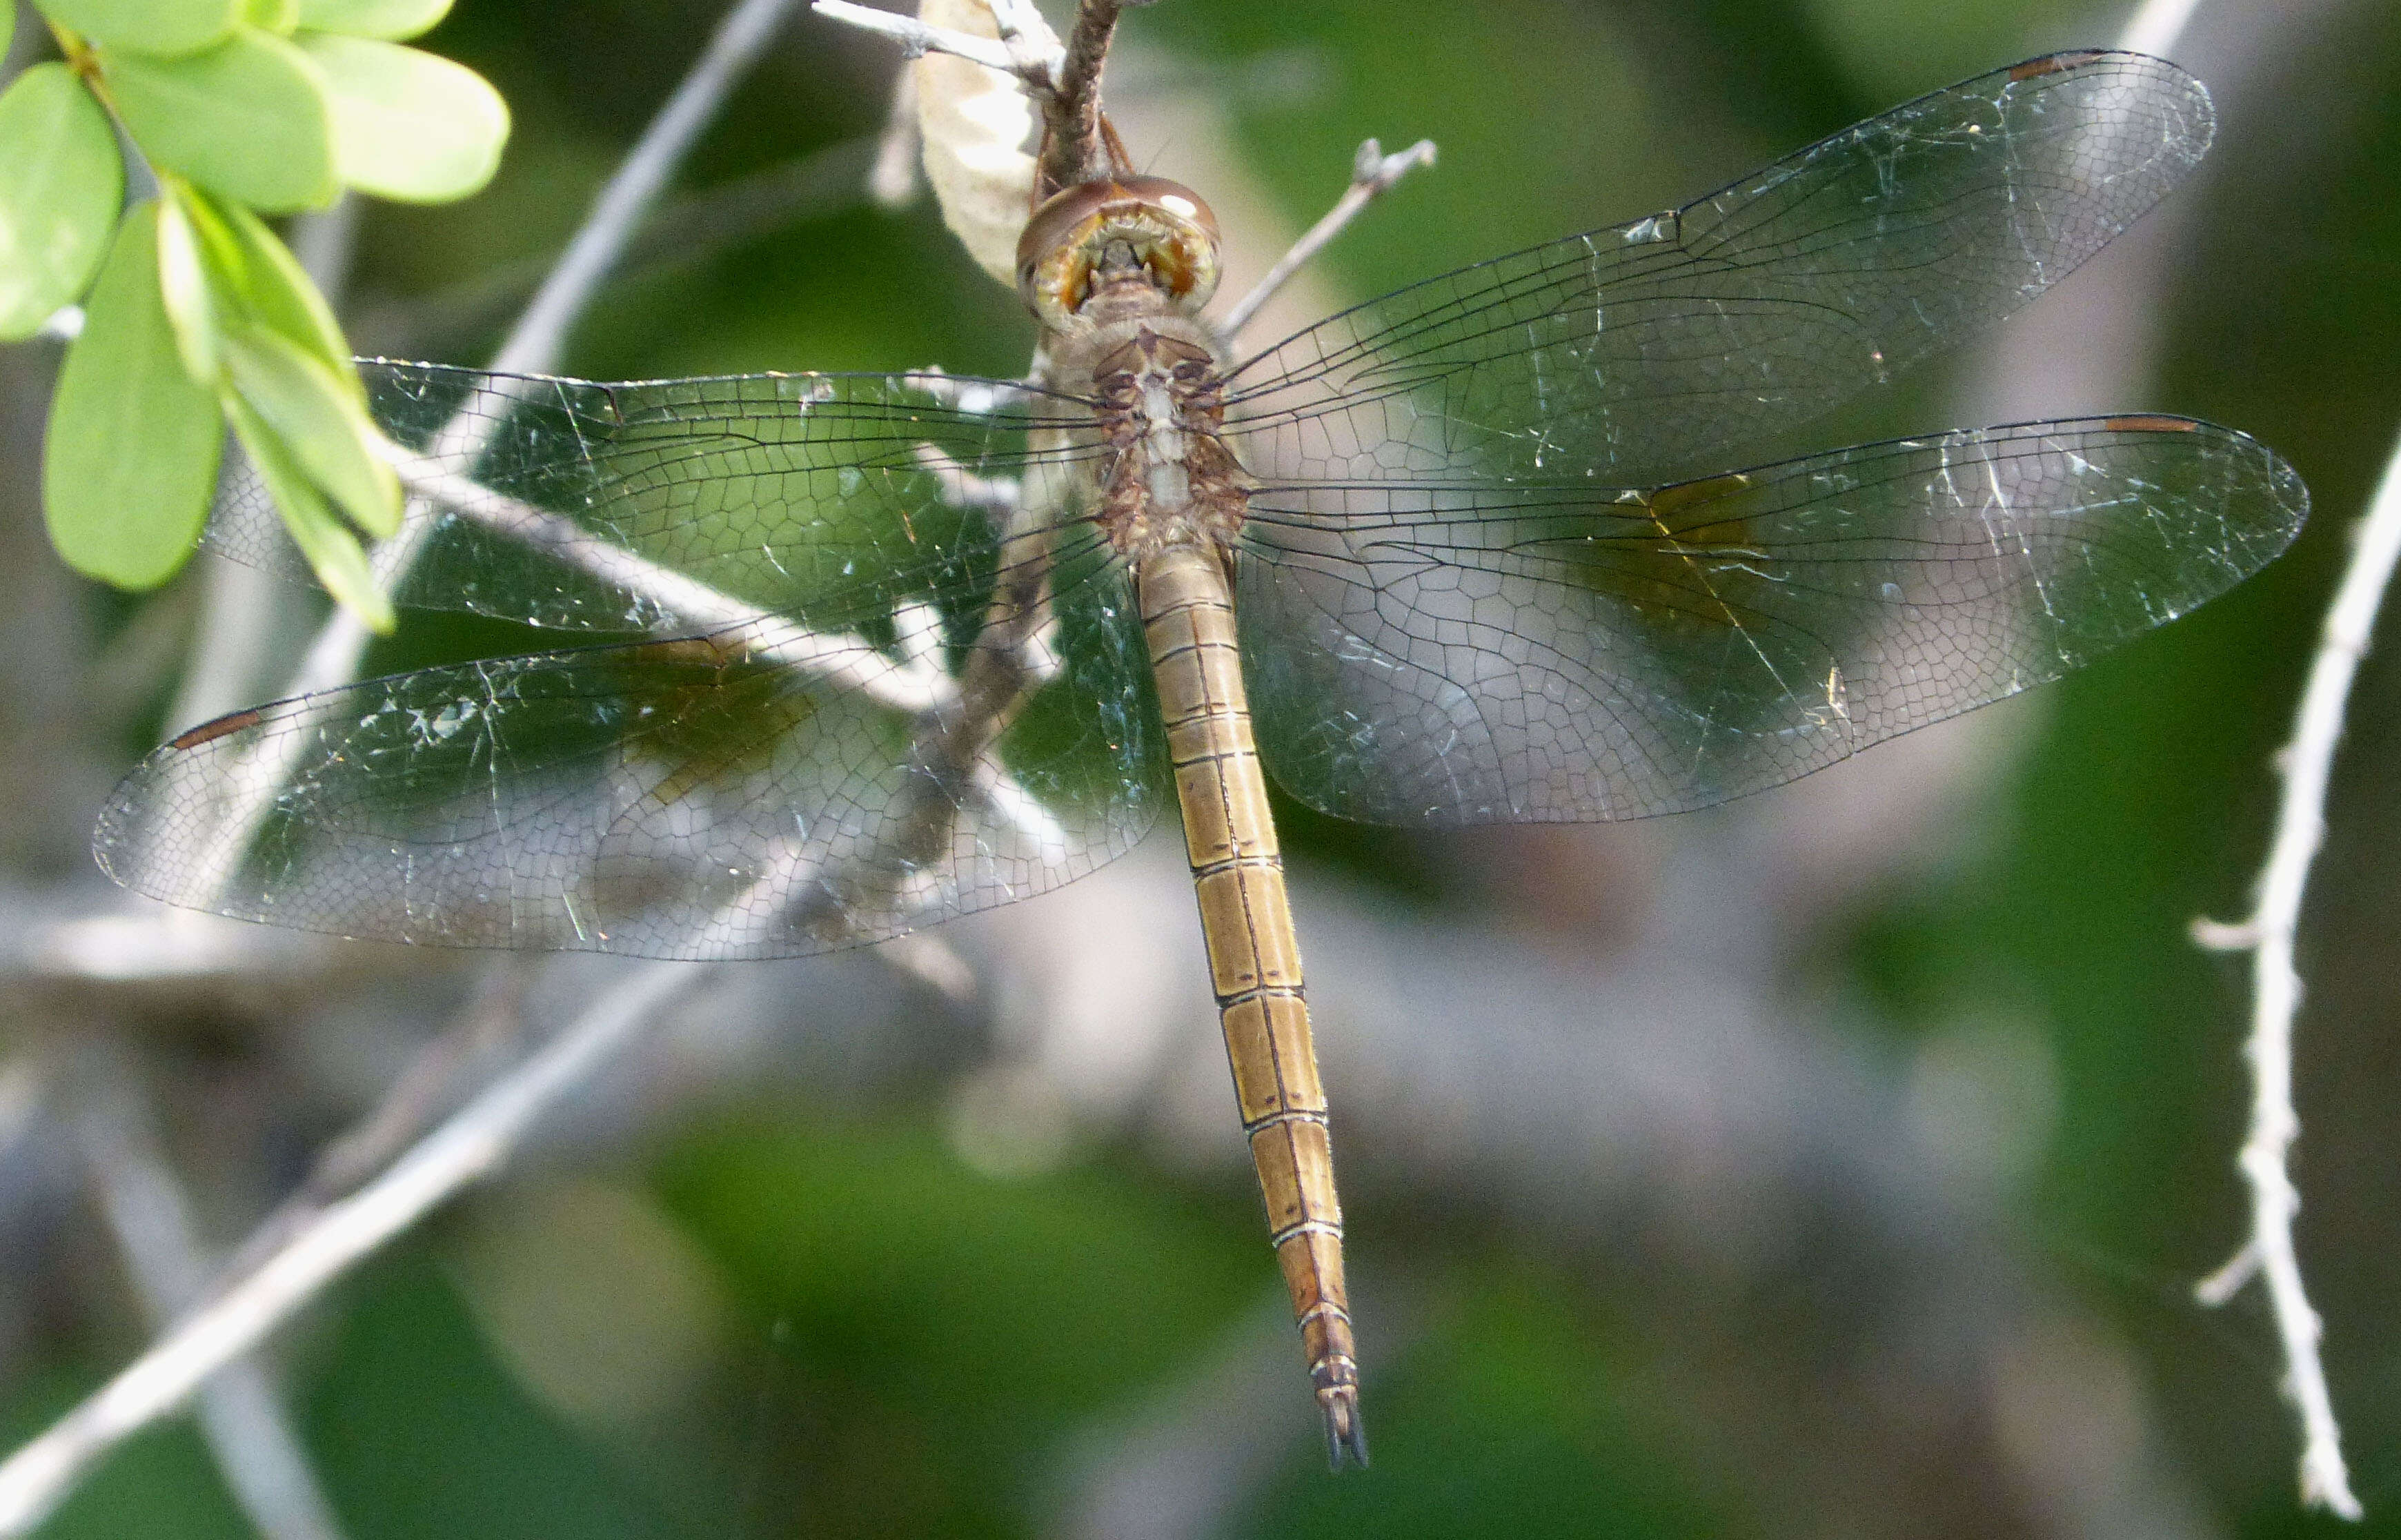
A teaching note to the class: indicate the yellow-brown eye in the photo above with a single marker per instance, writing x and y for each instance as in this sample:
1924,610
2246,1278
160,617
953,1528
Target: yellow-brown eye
1166,224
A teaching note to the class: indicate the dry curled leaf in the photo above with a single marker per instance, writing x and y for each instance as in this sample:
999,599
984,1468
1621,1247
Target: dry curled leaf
975,122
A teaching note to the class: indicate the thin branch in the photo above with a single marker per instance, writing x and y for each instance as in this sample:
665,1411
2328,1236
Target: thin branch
472,1145
1372,174
848,661
2270,934
1011,660
1037,65
1072,148
494,1020
535,343
965,489
1065,79
261,1457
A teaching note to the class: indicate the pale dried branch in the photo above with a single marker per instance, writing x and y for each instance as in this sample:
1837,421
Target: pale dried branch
681,232
1072,150
534,343
472,1145
2270,934
491,1021
256,1449
1064,78
965,489
917,38
847,661
1373,173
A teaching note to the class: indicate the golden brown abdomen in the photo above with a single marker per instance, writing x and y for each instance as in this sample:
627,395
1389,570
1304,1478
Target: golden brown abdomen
1253,958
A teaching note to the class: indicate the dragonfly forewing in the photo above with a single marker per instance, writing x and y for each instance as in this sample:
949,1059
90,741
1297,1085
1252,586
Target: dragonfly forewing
590,506
1641,354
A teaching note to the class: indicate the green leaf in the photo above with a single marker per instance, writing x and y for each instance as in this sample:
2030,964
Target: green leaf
406,124
163,27
129,463
61,183
280,17
8,26
184,288
335,553
276,290
246,118
327,431
394,19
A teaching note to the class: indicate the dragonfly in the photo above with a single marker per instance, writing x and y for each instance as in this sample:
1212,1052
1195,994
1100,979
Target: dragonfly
862,653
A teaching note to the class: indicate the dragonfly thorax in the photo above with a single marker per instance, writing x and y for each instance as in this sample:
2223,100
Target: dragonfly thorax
1155,386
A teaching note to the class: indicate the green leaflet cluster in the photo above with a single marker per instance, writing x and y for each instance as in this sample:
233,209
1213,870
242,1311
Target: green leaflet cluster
197,318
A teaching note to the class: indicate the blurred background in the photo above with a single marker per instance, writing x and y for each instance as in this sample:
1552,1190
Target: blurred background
1833,1164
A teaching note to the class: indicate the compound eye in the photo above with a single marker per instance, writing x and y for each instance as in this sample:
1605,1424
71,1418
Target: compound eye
1164,223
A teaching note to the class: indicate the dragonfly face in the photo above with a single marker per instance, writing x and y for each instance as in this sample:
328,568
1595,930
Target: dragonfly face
1505,545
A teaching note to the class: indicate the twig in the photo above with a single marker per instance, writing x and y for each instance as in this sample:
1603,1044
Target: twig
493,1020
535,342
472,1145
964,488
2269,936
265,1465
848,661
1035,67
1372,174
1011,660
1065,79
1071,149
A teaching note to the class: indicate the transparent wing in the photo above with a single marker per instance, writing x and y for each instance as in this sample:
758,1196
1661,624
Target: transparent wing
1432,655
1638,355
565,502
764,791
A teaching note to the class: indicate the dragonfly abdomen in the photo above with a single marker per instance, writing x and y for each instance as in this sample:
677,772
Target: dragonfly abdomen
1253,958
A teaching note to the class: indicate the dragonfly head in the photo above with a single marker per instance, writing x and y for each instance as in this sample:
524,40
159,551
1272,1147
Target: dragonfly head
1119,229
